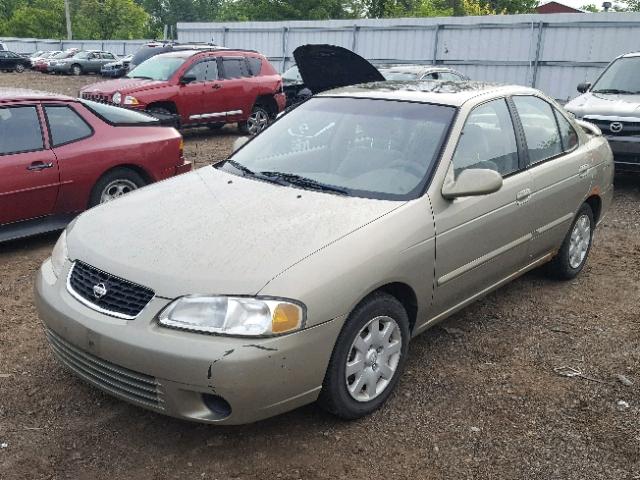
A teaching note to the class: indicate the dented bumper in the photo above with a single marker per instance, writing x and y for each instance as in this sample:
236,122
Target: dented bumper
179,373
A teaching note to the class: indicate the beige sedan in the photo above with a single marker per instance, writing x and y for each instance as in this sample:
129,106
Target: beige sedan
299,269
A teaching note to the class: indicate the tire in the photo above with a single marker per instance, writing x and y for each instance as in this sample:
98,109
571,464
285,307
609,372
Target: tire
573,253
350,397
19,68
76,69
257,121
113,184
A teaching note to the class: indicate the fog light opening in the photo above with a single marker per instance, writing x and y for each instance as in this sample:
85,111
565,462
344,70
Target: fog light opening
218,405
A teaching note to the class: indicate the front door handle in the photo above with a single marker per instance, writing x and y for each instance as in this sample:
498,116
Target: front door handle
216,86
582,171
37,166
523,195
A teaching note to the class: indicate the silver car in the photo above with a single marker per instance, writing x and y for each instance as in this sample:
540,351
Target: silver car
300,268
613,104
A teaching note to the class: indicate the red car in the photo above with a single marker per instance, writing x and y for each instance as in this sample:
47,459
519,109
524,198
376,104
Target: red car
60,156
203,87
42,64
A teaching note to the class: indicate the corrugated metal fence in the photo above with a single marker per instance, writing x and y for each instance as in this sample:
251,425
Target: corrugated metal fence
551,52
30,45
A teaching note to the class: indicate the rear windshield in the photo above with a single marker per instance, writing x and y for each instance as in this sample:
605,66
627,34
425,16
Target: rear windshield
397,75
119,116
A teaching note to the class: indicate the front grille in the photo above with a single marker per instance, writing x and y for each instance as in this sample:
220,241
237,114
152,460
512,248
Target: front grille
97,97
119,381
119,298
629,129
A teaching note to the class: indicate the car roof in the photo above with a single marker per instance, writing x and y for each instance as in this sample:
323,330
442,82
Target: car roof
187,52
443,93
407,68
17,94
631,54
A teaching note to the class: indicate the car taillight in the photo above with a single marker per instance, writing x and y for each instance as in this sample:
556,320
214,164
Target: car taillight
181,152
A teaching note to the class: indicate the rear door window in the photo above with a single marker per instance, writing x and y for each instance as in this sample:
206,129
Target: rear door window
65,125
255,65
234,67
540,128
568,134
20,130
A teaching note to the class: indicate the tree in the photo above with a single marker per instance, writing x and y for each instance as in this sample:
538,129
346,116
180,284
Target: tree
241,10
42,18
590,8
109,19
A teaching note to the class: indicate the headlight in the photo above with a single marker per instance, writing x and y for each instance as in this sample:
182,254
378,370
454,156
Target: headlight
117,97
59,254
129,100
241,316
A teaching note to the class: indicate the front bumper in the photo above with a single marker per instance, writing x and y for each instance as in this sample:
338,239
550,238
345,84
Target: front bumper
169,371
626,151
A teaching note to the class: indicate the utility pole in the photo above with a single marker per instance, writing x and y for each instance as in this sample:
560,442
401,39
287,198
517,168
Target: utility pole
67,14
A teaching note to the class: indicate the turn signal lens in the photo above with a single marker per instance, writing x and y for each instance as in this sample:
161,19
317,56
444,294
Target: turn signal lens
286,317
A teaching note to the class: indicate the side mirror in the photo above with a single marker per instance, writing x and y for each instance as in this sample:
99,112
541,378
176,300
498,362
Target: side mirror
240,141
584,87
472,182
188,79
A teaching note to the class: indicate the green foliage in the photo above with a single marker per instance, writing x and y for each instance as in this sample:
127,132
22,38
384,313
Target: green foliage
33,18
241,10
109,19
590,8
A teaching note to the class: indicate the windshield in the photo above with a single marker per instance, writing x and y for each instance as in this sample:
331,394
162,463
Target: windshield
292,75
622,77
157,68
360,147
395,75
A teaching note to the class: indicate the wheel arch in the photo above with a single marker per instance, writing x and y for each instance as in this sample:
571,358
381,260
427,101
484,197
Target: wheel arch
402,292
595,202
166,104
269,103
146,176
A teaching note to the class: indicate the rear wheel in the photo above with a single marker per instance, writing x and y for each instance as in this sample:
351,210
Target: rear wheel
114,184
19,68
367,359
76,69
573,253
257,121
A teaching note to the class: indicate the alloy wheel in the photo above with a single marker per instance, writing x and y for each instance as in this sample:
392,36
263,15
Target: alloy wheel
116,189
373,358
257,121
579,241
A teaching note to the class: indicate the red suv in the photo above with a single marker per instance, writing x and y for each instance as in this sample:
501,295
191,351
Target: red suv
202,87
60,156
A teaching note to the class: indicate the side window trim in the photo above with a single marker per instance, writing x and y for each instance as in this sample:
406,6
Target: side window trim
521,140
49,132
553,157
521,161
40,115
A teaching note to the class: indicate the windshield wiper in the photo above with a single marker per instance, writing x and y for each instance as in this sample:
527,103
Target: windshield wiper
238,166
140,76
304,182
614,91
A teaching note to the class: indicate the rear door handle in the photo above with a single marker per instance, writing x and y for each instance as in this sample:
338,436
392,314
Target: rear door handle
582,171
216,86
37,166
523,195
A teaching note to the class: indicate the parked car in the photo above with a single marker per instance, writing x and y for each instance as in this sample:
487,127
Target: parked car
38,62
210,87
60,156
421,72
294,88
299,269
84,62
613,104
3,46
44,65
154,48
12,62
116,69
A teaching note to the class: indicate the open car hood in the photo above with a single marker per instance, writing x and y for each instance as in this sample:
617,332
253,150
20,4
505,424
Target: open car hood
323,67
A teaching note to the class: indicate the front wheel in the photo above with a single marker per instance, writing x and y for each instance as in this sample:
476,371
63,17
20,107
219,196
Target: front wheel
257,121
573,253
114,184
367,359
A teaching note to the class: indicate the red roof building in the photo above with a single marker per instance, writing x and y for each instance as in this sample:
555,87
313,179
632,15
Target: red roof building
556,7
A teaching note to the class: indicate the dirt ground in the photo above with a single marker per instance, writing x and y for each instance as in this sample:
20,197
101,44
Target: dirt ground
479,398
